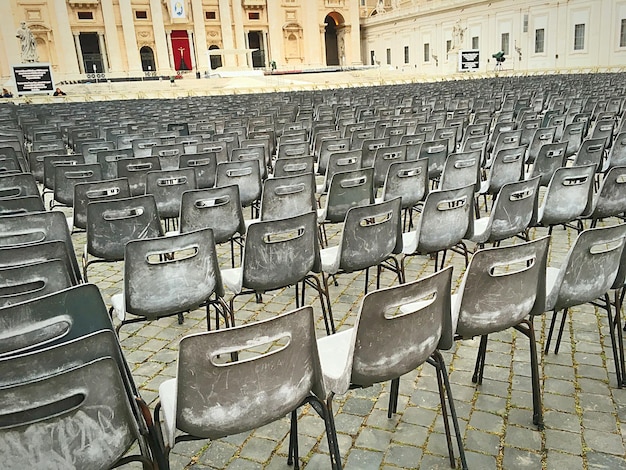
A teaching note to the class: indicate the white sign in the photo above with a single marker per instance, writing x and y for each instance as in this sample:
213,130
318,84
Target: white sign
469,60
177,9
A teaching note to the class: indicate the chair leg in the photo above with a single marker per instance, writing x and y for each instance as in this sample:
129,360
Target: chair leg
550,331
436,359
393,397
620,334
558,339
479,368
526,327
324,295
293,457
325,410
616,339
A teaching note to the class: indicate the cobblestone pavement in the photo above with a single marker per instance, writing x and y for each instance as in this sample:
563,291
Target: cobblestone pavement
584,411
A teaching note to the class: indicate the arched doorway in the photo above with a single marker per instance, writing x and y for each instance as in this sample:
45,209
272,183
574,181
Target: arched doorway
216,60
147,59
334,47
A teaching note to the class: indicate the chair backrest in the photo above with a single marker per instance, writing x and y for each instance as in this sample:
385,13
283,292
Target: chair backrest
21,205
9,161
204,166
218,148
36,160
278,253
114,222
573,134
407,180
167,187
369,148
293,149
246,175
37,227
591,151
549,158
108,161
436,151
90,150
603,129
348,189
216,208
142,147
19,255
66,177
135,169
446,219
287,196
461,169
542,136
569,194
384,157
167,275
248,154
87,402
328,147
340,161
229,402
617,153
293,166
399,327
371,234
51,161
507,167
514,209
84,193
502,286
589,268
610,201
29,281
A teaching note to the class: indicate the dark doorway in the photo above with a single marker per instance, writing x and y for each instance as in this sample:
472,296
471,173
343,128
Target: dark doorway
147,59
92,56
330,36
216,60
255,41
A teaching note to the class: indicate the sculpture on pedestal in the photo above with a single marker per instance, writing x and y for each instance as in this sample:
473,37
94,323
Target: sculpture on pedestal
27,43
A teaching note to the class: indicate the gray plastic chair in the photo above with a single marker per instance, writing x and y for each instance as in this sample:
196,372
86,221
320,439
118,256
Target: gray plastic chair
108,161
21,205
167,187
216,208
610,200
249,154
461,169
84,193
383,346
287,197
38,227
436,151
293,166
503,288
169,155
112,223
507,167
66,177
569,195
447,218
549,158
204,166
169,275
337,162
277,254
587,273
246,175
211,398
617,152
135,169
383,158
542,136
371,236
573,134
514,211
591,151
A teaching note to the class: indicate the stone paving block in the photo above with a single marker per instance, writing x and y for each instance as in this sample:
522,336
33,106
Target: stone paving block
258,449
563,441
605,442
523,438
520,459
364,459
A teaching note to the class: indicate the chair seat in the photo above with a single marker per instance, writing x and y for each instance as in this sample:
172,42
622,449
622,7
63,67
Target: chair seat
330,258
455,308
552,275
409,242
336,360
232,279
321,215
481,230
119,305
484,186
168,396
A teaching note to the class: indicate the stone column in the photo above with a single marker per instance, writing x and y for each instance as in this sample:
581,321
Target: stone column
312,34
103,51
110,30
170,52
274,37
192,49
199,34
164,65
70,63
241,40
228,41
353,39
79,53
130,38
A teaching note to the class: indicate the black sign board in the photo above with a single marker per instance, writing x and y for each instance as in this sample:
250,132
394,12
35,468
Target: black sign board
33,78
469,60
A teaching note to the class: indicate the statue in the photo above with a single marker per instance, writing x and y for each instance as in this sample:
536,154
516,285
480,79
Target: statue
457,35
27,43
380,7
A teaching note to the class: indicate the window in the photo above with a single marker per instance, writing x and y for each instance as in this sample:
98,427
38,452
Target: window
475,42
448,47
579,37
85,15
539,40
388,56
406,54
254,15
622,34
141,14
372,58
427,52
210,15
504,43
525,27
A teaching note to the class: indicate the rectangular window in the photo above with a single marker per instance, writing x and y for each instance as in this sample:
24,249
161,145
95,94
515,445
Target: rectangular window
85,15
579,37
504,43
448,47
372,58
525,27
539,40
388,56
475,42
210,15
427,52
406,54
141,14
622,34
254,15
